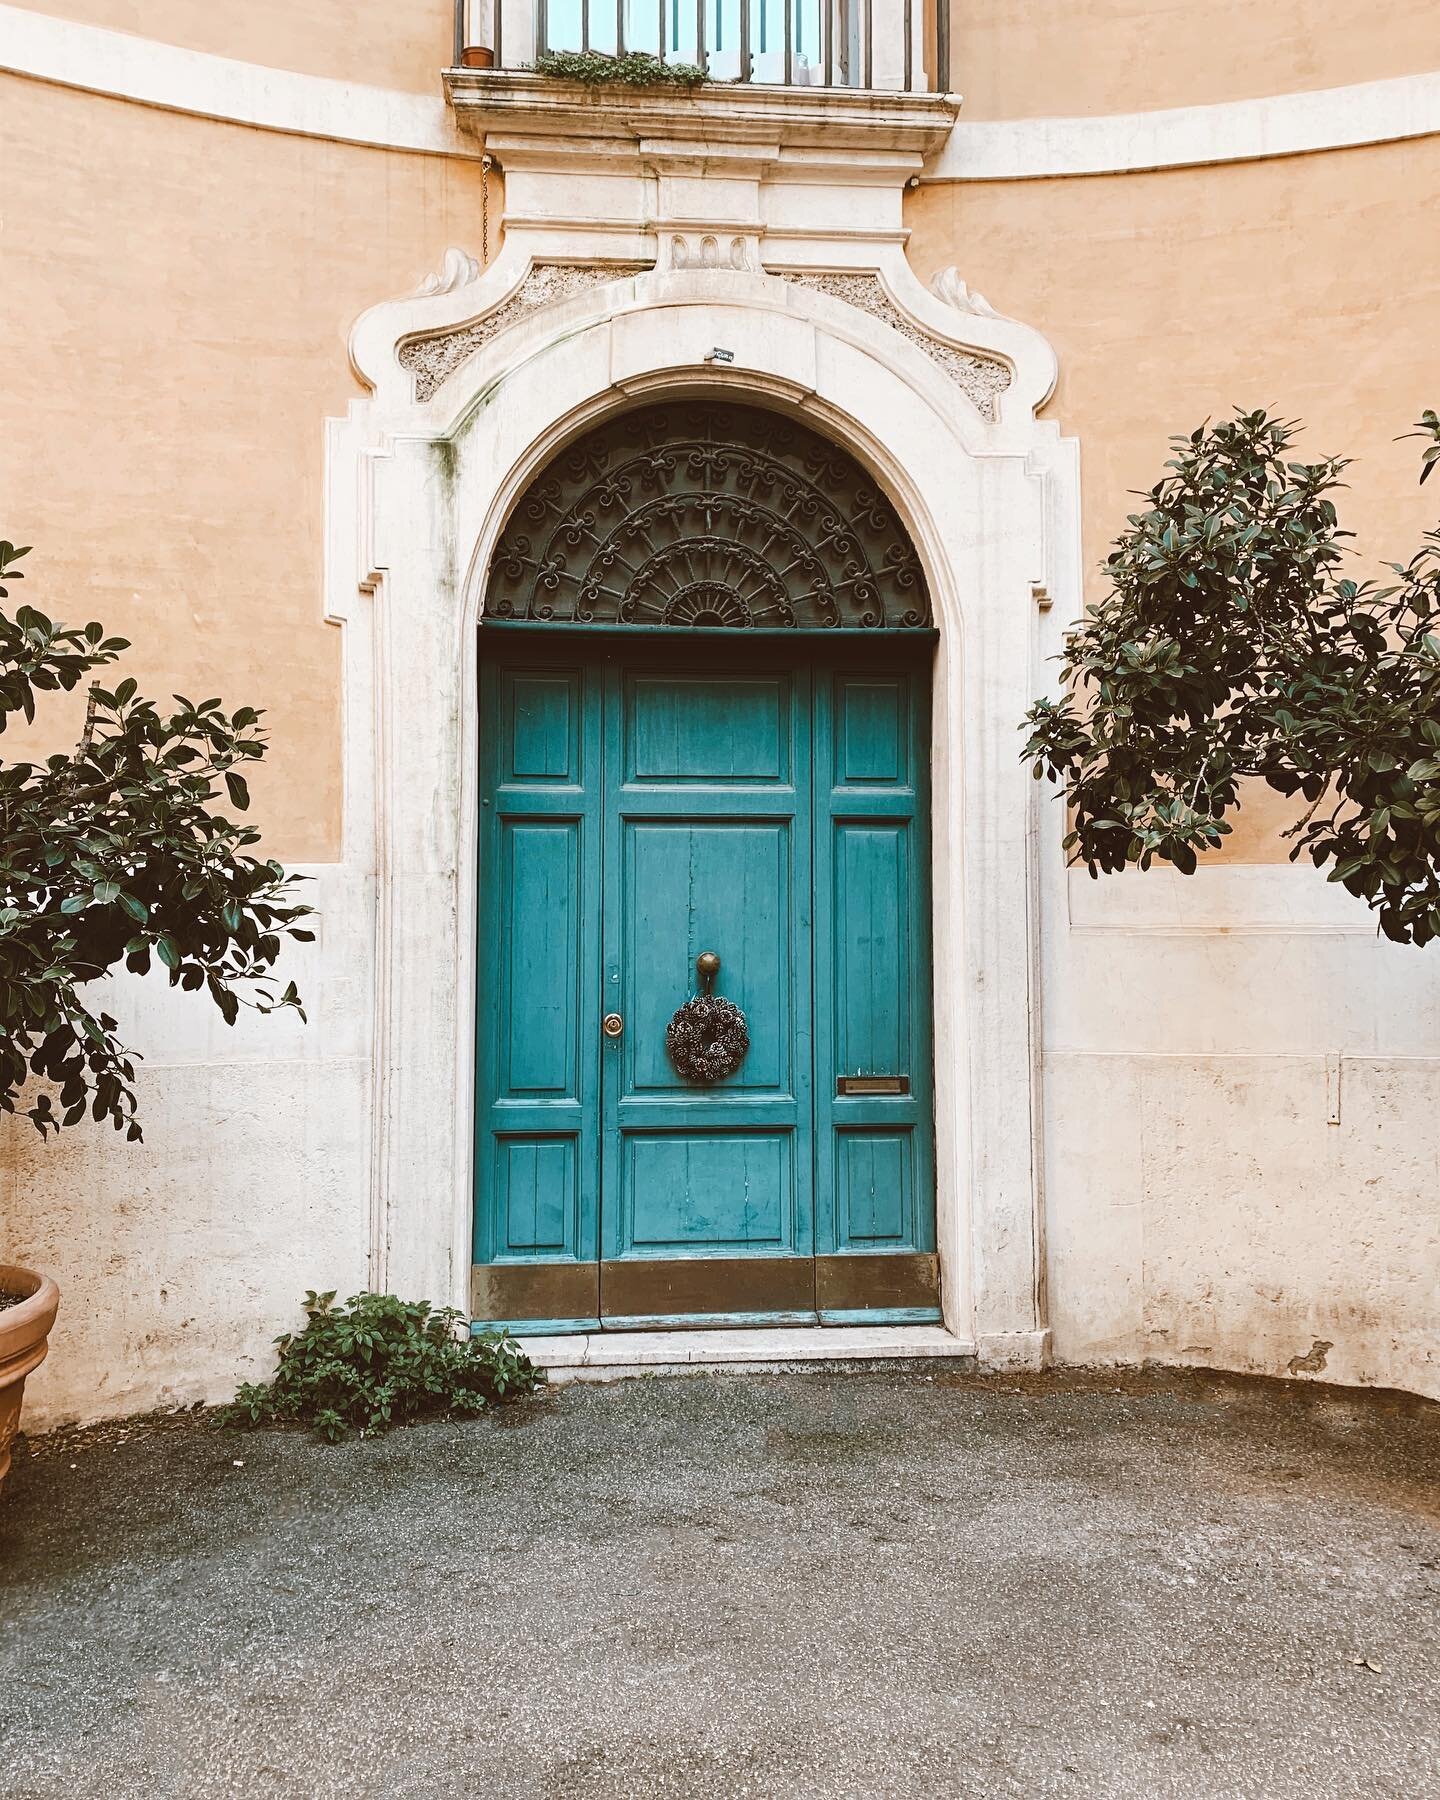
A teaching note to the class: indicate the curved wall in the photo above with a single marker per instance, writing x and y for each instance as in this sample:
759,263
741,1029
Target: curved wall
1239,1117
180,294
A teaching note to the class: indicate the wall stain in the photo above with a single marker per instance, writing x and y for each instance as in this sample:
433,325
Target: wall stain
1313,1361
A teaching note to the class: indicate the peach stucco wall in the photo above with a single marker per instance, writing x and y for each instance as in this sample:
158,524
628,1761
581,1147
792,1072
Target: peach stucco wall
386,43
178,299
1013,59
1297,284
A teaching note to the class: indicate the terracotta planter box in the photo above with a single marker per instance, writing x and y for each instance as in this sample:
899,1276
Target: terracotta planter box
24,1334
476,58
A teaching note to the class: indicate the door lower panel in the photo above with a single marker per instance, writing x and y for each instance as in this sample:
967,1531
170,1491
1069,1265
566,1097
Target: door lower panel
560,1293
906,1282
711,1285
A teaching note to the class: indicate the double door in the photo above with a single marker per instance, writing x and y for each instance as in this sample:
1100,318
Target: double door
646,802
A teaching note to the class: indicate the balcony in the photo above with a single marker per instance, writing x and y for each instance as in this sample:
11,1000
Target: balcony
793,150
885,46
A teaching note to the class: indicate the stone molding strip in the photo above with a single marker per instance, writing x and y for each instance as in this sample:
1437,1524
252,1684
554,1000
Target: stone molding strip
1369,112
138,69
1233,898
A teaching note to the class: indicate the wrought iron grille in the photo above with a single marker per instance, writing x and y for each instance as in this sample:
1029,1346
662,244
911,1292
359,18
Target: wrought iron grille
888,44
707,514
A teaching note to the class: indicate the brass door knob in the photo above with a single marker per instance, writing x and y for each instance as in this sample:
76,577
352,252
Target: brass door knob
612,1025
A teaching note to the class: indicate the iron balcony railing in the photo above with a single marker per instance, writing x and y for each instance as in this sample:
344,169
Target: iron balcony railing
881,44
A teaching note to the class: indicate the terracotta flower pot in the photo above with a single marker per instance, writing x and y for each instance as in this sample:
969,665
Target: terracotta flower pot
475,57
24,1334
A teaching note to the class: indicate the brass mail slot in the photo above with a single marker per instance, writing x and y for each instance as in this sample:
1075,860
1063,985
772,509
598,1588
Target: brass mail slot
872,1084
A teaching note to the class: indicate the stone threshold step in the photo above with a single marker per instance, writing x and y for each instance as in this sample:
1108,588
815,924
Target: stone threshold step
616,1355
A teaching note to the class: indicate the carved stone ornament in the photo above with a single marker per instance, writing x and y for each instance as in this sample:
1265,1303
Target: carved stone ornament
457,271
950,287
982,378
707,1039
706,513
431,356
709,252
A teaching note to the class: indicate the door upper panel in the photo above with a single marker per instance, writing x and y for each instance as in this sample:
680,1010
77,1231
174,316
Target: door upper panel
714,884
714,731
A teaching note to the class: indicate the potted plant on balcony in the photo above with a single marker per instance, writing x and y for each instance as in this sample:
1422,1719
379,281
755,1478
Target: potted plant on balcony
638,69
114,853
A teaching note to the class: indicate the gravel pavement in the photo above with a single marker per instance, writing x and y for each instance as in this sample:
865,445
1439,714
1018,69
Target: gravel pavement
769,1585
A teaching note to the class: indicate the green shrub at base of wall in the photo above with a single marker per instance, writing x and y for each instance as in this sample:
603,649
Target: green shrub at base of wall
376,1362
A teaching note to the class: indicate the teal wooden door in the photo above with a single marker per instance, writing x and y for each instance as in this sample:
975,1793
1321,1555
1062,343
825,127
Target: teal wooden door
645,800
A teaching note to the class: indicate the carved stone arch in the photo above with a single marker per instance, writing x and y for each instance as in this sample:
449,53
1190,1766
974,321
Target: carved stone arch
707,513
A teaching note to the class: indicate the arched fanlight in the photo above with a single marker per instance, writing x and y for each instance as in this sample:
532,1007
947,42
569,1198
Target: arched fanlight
707,515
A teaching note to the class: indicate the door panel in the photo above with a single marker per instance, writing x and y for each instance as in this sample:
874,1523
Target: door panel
874,1189
541,724
535,1189
872,730
540,957
725,1191
872,957
691,887
681,728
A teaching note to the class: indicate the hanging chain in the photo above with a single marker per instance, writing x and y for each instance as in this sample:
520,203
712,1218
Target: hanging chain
486,163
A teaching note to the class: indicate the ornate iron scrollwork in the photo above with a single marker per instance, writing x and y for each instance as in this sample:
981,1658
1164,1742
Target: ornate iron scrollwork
704,513
708,1037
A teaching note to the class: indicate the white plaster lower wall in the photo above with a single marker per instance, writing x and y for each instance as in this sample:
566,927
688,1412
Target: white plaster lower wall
1201,1207
1242,1153
180,1259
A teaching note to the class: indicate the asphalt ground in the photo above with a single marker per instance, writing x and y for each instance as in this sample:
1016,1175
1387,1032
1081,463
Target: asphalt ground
768,1585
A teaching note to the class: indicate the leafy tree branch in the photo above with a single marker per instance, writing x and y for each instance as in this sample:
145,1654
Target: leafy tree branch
117,854
1231,647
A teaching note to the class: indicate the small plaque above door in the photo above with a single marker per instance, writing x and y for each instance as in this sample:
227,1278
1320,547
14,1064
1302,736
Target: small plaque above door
872,1084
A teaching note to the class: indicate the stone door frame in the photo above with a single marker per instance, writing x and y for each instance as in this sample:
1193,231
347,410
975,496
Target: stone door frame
476,387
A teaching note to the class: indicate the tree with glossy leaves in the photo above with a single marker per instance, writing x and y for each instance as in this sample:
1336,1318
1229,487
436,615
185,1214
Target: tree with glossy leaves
1231,647
115,855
